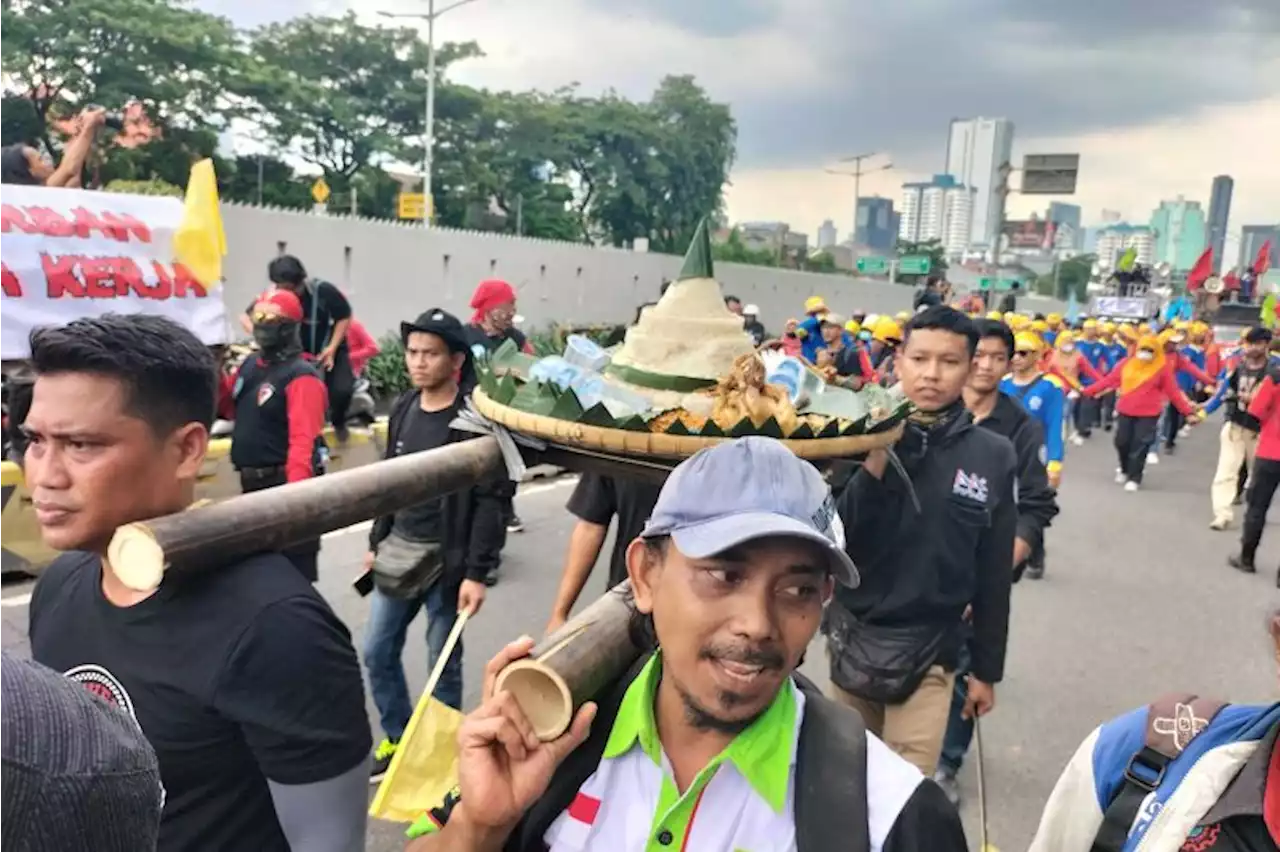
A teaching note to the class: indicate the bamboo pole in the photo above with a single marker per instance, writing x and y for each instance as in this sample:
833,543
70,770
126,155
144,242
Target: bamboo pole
574,664
206,537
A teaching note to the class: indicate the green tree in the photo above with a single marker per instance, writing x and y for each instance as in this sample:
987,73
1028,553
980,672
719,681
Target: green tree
935,251
734,250
281,187
1072,276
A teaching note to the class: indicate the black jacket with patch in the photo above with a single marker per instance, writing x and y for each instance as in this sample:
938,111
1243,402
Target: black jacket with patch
1036,499
924,567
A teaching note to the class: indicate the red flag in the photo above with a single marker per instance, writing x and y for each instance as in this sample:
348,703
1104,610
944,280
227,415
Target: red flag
1263,262
1201,271
1231,281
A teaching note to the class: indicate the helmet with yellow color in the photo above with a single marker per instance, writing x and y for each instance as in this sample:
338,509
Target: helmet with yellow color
1039,326
1090,324
1064,339
853,326
1017,322
902,316
1108,328
815,305
1026,341
995,315
1054,320
887,330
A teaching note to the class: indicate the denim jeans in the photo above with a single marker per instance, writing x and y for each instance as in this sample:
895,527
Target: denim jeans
955,743
389,620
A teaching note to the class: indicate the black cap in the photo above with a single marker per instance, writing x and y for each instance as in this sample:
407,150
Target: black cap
442,324
1258,334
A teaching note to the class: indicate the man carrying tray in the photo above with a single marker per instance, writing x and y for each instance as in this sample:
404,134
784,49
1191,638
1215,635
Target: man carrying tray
713,742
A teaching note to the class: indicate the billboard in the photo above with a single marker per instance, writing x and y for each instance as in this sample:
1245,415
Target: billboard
1028,234
1050,174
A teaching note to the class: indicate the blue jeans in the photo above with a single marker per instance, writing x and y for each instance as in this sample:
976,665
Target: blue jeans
389,620
955,743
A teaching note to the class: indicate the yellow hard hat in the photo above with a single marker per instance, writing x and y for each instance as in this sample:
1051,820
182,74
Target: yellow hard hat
1181,325
1025,341
1108,328
1063,338
1129,332
814,304
1199,328
902,316
995,315
887,330
1054,319
1091,323
1017,322
1039,326
853,326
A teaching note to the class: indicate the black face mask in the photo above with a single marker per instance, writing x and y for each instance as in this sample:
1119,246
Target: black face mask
278,339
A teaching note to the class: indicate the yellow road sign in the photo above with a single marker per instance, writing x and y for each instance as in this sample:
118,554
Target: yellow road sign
320,190
412,205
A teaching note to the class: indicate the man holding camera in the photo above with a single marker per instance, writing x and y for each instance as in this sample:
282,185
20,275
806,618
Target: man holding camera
22,164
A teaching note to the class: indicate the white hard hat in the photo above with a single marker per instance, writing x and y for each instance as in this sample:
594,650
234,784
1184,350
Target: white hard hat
754,310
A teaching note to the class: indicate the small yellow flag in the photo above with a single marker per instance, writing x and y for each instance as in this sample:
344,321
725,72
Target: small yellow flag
199,244
425,766
1127,260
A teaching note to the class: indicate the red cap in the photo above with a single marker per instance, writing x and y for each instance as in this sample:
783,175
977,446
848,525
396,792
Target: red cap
289,305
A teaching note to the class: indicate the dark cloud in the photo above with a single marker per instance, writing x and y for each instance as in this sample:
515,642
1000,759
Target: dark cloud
895,73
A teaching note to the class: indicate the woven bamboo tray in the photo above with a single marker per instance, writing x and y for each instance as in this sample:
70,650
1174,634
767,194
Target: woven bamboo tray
658,444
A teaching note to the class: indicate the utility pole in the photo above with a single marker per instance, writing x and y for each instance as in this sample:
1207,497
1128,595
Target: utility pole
1001,190
428,133
857,174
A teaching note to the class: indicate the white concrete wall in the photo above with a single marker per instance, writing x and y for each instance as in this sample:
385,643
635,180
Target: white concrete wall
394,271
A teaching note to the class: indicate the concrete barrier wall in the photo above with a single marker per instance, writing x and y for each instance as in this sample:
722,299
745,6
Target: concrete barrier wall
393,271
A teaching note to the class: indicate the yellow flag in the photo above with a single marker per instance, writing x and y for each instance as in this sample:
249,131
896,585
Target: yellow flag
425,766
199,244
1127,260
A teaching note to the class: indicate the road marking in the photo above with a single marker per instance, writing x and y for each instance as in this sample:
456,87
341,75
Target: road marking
16,600
540,488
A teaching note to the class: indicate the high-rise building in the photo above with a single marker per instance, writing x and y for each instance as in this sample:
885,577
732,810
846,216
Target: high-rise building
1179,228
1219,213
1113,240
941,209
827,234
873,224
1252,238
976,149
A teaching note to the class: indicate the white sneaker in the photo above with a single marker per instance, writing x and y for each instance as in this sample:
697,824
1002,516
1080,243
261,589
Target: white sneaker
1152,458
1220,524
1077,440
1184,432
1121,479
1131,486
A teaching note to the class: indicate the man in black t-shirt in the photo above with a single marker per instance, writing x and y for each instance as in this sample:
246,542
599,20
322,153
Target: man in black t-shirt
242,678
326,315
596,501
432,557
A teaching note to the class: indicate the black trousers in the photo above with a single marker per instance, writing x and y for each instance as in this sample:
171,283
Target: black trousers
341,384
1108,407
306,556
1085,415
1133,438
1263,480
1173,422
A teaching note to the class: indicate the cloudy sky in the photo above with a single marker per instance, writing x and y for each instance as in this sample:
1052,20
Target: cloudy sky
1158,96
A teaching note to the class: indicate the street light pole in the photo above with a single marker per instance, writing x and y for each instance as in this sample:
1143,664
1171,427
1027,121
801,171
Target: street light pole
428,135
857,174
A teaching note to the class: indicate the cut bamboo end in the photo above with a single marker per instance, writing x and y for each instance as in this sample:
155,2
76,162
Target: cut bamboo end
543,696
136,557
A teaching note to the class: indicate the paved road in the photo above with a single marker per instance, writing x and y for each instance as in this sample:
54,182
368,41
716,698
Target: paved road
1138,601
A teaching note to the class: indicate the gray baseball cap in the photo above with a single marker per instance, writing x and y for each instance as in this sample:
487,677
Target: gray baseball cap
748,489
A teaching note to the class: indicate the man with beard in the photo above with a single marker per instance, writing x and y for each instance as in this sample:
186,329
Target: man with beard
241,677
326,315
928,549
432,557
1037,505
493,323
279,401
713,741
1239,439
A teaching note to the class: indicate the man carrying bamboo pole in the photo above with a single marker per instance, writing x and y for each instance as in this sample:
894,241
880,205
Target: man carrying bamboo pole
242,678
713,742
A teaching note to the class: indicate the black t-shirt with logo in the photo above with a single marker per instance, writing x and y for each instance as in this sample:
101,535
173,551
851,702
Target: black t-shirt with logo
422,430
597,499
238,676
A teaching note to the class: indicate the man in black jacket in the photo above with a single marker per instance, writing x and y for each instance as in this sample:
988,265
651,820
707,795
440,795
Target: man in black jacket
436,555
894,643
1037,506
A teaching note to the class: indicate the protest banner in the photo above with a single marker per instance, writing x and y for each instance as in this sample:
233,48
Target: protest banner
71,253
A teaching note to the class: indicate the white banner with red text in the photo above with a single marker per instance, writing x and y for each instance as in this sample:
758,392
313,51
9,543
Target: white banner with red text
73,253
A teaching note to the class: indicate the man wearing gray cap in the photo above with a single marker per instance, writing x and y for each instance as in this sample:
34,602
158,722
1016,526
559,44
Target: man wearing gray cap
713,741
78,773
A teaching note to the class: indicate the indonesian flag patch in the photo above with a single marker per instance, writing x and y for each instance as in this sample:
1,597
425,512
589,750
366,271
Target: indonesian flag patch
581,814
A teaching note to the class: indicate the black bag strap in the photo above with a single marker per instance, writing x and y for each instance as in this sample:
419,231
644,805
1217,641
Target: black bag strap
1173,721
831,776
